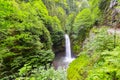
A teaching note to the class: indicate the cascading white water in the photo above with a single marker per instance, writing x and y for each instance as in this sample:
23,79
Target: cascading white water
68,48
61,60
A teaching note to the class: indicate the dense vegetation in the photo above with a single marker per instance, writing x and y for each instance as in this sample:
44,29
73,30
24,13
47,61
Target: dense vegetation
99,60
32,31
26,37
100,55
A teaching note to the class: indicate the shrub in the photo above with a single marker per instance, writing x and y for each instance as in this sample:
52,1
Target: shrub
98,61
25,40
49,74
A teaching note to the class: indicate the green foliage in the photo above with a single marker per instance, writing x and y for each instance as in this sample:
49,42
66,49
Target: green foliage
57,8
99,60
6,10
101,66
95,10
82,24
104,5
101,40
107,67
118,1
69,22
83,19
30,29
74,5
76,47
42,74
23,43
26,41
78,67
54,26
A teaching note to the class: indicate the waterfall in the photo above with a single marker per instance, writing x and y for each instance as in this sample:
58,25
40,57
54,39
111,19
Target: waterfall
68,48
61,60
